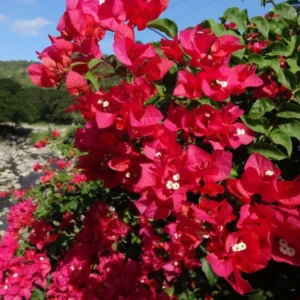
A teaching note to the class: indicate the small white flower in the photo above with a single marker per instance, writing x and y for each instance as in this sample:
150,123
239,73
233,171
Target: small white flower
269,173
241,131
169,185
283,242
157,154
291,252
176,186
41,258
235,248
128,175
15,275
175,263
284,249
206,236
105,104
72,268
239,247
101,1
222,83
176,177
100,101
207,115
6,287
243,246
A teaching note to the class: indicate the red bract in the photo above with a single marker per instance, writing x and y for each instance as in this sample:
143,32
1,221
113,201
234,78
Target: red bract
260,177
206,167
41,144
76,84
172,49
165,141
55,134
135,11
189,85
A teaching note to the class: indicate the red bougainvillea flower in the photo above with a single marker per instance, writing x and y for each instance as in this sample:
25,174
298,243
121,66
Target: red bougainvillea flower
189,85
246,250
3,194
208,167
172,49
258,47
269,88
41,144
55,134
135,11
260,177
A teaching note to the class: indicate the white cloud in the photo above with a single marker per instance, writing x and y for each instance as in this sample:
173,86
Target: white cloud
3,18
29,27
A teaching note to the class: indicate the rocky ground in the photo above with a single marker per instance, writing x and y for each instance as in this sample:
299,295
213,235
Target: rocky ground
17,158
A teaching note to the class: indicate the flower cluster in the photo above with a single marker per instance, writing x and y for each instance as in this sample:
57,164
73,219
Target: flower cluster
183,146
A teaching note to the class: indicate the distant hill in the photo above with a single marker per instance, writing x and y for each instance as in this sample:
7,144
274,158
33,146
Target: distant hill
16,70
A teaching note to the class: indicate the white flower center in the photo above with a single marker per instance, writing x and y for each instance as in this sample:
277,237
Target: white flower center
223,84
41,258
105,104
207,115
169,185
176,177
15,275
128,175
269,173
285,249
176,186
172,185
241,131
239,247
176,263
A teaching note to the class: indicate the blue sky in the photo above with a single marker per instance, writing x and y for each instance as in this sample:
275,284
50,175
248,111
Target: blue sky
25,24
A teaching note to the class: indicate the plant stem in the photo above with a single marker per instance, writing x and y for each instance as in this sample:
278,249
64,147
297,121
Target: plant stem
159,33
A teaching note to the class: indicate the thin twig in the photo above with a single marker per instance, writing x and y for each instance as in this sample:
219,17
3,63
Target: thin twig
158,33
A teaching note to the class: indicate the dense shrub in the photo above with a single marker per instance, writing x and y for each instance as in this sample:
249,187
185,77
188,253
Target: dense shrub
189,184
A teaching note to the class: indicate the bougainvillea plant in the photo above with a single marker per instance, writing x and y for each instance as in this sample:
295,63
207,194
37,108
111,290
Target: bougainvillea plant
188,183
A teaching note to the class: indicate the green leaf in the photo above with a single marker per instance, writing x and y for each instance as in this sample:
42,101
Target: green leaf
289,111
237,16
281,138
296,96
279,49
38,294
277,26
258,60
269,151
217,28
258,125
207,270
292,62
273,63
262,25
166,26
286,12
93,79
287,78
263,2
292,129
261,107
94,62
